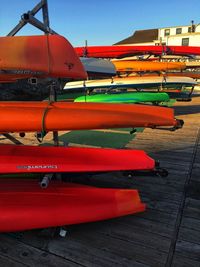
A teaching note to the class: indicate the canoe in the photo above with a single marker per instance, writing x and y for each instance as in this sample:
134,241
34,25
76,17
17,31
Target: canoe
50,159
45,116
137,97
140,66
38,56
25,205
120,51
134,82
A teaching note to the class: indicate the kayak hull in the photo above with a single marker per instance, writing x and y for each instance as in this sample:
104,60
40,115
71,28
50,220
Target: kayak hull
25,206
44,116
50,159
137,97
133,82
120,51
139,66
38,56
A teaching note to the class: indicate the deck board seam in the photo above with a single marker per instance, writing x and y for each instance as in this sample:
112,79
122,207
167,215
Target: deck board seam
182,204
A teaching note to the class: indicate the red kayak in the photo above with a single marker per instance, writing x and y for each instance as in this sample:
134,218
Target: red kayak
49,159
38,56
25,205
117,51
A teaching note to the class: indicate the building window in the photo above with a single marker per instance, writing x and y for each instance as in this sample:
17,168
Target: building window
178,30
185,41
167,32
189,29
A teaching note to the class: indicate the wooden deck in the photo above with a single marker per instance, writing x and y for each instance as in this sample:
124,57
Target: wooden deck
167,234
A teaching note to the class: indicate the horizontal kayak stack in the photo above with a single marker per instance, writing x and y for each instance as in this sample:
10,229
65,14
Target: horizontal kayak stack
49,200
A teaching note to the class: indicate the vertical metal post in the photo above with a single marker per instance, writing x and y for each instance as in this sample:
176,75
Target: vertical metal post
53,98
45,13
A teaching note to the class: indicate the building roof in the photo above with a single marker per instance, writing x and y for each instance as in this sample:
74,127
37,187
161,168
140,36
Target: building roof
142,36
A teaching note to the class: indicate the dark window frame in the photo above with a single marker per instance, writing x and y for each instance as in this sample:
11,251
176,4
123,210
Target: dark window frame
178,30
167,32
187,40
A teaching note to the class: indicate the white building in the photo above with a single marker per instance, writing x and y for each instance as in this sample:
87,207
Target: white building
181,35
188,35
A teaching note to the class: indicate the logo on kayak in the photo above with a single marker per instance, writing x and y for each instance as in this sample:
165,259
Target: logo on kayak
37,167
22,72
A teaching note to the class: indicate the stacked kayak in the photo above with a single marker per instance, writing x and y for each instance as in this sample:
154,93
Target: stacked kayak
39,57
24,205
152,59
25,202
137,97
133,82
175,86
45,116
143,66
45,159
120,51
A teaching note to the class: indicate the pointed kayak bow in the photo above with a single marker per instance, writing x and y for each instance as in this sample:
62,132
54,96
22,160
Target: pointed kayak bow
25,205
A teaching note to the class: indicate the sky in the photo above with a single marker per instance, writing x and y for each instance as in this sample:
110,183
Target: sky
102,22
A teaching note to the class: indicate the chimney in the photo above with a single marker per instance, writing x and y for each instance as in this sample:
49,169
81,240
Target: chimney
193,26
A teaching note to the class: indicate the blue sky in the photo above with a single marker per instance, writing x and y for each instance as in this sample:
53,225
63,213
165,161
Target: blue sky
101,22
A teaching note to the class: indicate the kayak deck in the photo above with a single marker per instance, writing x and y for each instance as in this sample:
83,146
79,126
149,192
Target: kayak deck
44,116
50,159
137,97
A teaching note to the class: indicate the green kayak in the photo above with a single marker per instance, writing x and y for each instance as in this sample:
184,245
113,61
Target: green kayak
137,97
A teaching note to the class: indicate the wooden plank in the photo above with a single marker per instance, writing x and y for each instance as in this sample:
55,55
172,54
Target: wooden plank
188,250
160,205
189,235
173,201
130,234
90,246
175,166
180,261
176,154
160,184
195,174
79,254
168,181
148,225
193,189
158,216
170,157
192,208
7,262
190,223
29,255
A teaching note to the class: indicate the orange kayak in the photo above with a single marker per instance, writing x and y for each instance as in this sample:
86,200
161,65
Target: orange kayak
44,116
38,56
137,66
